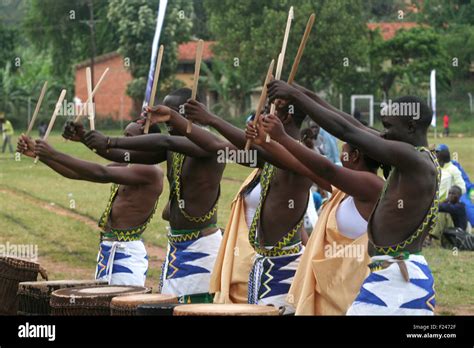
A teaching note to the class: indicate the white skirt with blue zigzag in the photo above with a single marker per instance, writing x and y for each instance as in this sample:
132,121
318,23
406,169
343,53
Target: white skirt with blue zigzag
386,292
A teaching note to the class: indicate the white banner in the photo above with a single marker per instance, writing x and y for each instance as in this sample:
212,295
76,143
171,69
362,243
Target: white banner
154,51
433,96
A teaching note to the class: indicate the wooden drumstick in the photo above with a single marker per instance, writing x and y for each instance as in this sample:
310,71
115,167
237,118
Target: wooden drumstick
90,104
53,117
94,91
299,54
261,101
151,101
281,58
197,69
37,108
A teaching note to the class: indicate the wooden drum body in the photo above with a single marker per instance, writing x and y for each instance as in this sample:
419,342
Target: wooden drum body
90,300
12,272
224,310
127,305
34,297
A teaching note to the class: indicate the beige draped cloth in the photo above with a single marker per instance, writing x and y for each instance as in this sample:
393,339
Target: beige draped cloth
230,277
328,279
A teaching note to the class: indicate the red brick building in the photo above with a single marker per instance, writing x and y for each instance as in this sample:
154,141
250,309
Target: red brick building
111,99
389,29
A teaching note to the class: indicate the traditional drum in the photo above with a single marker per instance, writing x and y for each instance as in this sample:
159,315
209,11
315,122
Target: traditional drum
33,297
209,309
127,305
157,309
90,300
12,272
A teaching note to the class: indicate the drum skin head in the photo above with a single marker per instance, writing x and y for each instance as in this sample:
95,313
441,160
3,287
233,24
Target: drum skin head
135,300
209,309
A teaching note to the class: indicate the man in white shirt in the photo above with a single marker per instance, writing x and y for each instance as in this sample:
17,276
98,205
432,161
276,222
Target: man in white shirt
450,174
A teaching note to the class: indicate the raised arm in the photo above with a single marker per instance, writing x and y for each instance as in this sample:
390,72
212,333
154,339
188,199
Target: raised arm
134,175
206,140
285,157
328,106
197,112
395,153
363,185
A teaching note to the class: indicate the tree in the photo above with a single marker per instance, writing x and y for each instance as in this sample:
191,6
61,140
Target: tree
135,22
411,54
251,33
60,27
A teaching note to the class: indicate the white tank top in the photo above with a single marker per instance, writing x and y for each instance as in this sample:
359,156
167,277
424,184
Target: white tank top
251,202
349,221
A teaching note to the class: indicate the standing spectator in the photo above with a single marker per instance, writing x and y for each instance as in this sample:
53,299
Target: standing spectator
7,132
446,125
450,174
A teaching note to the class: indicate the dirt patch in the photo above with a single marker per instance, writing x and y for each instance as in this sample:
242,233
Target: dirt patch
455,310
58,270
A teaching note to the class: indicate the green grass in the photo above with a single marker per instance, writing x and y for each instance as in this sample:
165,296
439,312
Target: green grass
65,240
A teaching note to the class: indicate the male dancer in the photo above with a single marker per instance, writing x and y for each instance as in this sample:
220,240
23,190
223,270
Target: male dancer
194,176
122,258
275,203
401,281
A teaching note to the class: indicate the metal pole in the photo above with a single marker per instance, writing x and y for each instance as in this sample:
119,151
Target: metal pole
29,111
470,101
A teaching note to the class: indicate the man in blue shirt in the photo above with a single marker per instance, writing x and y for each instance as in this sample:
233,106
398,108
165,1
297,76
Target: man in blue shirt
455,208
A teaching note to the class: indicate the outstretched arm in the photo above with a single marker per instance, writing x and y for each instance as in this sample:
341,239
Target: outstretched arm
76,132
205,139
135,175
328,106
363,185
395,153
26,146
197,112
146,143
284,156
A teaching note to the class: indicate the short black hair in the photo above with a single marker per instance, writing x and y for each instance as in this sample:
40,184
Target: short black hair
369,162
182,95
154,128
426,115
456,187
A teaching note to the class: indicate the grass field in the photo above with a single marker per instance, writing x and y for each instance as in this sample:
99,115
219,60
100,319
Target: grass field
35,208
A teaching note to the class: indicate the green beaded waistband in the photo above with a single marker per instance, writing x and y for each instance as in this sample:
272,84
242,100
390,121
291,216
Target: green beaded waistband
279,252
122,235
177,236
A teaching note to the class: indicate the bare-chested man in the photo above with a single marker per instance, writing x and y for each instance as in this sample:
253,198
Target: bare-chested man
122,258
275,201
194,176
401,281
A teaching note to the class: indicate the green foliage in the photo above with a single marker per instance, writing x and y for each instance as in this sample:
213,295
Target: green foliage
253,33
7,42
445,13
411,55
61,28
134,22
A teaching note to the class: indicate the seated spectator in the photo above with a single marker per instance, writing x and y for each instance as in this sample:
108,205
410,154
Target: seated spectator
455,208
450,174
